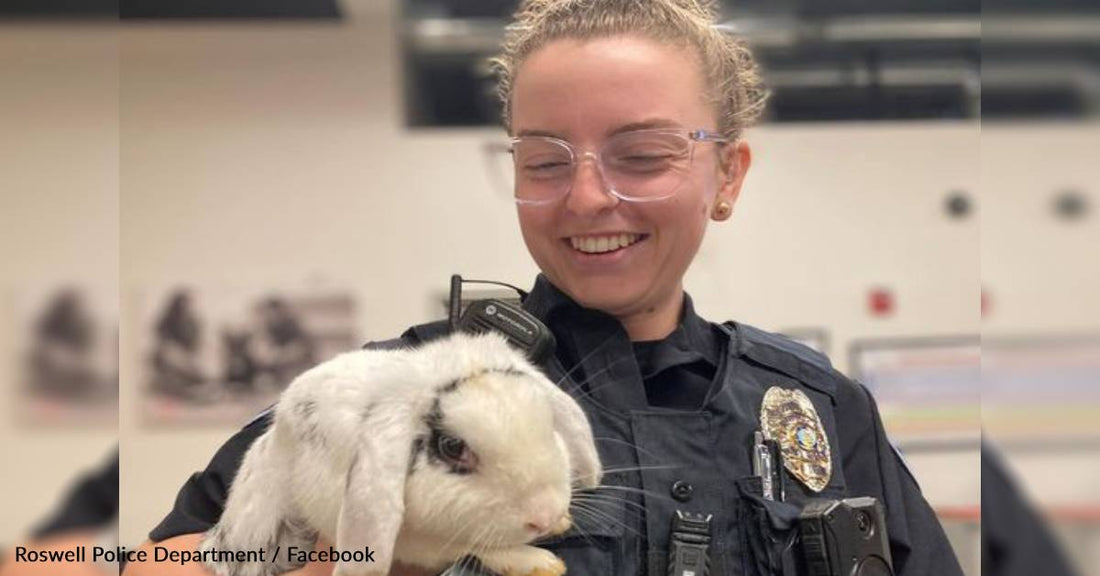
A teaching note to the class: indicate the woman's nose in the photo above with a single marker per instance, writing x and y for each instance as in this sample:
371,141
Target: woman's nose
589,193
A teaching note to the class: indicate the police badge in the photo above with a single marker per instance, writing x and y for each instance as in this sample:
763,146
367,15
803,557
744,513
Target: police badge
788,417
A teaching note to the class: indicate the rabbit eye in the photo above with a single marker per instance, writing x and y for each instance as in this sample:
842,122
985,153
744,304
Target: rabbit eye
457,453
451,447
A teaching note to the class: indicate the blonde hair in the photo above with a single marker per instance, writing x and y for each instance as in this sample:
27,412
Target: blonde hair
731,75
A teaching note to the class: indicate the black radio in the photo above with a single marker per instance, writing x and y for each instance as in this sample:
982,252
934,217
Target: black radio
521,329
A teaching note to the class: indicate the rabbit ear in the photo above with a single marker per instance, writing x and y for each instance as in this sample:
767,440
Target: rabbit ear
572,424
374,498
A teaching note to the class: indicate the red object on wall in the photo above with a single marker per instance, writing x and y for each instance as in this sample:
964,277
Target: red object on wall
880,302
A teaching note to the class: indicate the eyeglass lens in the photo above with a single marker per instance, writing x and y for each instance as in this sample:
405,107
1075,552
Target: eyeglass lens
636,166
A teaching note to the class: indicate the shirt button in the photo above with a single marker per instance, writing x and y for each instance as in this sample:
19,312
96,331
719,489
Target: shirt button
682,490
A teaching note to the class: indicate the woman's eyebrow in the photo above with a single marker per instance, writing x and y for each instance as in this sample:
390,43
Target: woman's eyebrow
546,133
647,124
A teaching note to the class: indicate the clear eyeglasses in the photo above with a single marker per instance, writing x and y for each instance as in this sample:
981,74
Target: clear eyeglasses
636,166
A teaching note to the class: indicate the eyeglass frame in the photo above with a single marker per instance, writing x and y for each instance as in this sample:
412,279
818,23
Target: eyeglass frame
693,137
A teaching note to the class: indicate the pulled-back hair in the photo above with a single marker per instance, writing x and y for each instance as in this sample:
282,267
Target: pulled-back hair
730,73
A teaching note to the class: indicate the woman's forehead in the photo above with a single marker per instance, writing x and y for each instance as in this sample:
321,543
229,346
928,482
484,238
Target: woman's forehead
606,85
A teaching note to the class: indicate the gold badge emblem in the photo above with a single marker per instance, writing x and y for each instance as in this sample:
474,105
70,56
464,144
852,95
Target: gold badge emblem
789,418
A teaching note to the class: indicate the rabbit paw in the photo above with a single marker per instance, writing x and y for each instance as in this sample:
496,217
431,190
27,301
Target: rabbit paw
523,561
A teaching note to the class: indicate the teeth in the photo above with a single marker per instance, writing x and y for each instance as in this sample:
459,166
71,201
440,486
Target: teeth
597,245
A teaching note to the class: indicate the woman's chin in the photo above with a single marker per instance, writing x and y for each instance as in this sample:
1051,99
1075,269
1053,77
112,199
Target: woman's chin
608,297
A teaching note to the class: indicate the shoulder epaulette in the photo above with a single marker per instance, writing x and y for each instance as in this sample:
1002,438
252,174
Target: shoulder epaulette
785,355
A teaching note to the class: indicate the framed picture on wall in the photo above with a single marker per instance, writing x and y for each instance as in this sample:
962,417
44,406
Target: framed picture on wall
1041,389
66,356
928,389
210,356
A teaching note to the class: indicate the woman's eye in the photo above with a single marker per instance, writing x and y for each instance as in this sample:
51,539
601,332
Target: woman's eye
546,167
647,158
644,162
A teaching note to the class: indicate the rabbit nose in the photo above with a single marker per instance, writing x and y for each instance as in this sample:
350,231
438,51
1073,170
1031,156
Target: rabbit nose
537,528
546,525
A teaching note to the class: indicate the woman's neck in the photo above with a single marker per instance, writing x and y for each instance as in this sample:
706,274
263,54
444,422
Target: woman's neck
654,323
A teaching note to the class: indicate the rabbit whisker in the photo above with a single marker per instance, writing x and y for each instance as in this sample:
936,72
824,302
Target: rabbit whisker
476,543
587,396
591,377
634,514
649,493
610,518
621,441
580,362
582,531
483,540
607,499
640,468
465,563
498,541
459,532
451,569
493,540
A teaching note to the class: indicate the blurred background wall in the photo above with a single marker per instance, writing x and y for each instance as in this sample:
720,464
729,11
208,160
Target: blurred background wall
310,153
59,220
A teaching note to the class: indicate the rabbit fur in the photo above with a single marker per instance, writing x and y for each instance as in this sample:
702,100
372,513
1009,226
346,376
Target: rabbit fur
356,456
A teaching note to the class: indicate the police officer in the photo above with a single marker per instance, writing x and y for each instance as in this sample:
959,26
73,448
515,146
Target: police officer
626,119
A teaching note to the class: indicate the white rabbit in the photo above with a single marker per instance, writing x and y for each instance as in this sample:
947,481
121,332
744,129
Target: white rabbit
425,455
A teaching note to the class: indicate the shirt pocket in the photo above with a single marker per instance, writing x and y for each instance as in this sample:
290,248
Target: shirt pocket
769,531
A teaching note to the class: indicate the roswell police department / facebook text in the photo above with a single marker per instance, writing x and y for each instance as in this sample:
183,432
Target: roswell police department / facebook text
162,554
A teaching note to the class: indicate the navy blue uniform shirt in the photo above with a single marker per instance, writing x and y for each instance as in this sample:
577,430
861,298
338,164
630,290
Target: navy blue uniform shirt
674,421
1015,539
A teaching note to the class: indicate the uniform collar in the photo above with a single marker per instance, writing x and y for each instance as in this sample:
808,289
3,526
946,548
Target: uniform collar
693,339
545,301
595,354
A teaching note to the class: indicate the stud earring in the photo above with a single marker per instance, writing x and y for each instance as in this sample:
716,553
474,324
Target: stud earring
722,211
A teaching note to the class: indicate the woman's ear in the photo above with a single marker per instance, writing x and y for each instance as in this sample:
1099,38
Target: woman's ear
736,157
